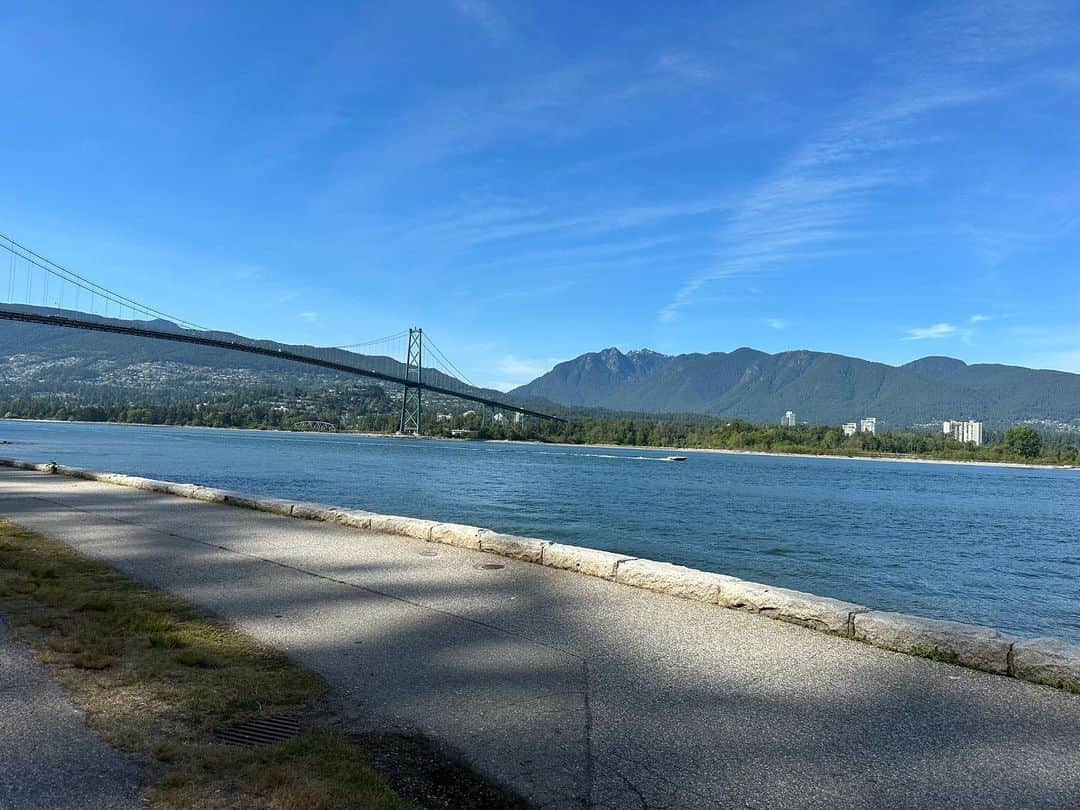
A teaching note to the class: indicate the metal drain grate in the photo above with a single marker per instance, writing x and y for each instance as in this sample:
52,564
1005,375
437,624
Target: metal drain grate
490,566
260,731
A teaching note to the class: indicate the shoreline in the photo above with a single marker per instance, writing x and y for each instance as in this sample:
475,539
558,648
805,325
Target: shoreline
534,443
1044,660
776,454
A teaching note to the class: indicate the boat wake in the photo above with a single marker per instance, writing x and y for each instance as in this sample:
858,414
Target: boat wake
613,456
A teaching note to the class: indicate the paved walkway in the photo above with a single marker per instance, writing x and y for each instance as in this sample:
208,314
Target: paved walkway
576,691
48,755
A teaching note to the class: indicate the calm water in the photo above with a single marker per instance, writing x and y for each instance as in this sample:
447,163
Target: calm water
994,546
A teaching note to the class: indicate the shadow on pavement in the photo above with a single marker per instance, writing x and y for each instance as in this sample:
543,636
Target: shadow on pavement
578,692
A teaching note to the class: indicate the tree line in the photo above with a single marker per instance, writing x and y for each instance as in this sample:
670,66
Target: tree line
1016,444
368,408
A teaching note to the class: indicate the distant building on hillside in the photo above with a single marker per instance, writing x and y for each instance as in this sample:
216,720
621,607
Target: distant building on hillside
868,424
850,428
519,417
788,420
443,417
498,418
969,431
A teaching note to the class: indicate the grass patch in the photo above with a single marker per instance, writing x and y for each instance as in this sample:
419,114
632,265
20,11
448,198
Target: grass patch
156,677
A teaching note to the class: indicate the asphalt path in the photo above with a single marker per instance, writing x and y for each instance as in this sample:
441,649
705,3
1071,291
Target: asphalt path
49,757
579,692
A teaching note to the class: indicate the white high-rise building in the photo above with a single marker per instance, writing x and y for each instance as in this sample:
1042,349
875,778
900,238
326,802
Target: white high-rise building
969,431
788,420
868,424
850,428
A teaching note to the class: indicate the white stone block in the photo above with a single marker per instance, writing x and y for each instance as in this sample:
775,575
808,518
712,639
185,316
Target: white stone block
1047,660
404,526
676,580
147,484
509,545
274,506
110,478
211,494
954,642
807,609
307,510
182,490
583,560
73,472
354,518
456,534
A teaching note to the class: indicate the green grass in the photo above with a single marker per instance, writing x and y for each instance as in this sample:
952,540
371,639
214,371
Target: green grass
156,677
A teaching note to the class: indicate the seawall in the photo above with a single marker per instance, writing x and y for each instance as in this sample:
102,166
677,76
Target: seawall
1048,661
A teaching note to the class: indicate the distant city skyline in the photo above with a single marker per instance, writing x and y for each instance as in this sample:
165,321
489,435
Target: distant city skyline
530,182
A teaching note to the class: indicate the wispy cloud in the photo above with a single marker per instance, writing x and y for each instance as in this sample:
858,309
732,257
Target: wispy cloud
817,201
979,318
308,317
935,332
614,219
516,292
558,105
806,211
285,297
486,16
776,323
685,65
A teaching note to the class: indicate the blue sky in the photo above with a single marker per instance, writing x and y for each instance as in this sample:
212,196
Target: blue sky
530,181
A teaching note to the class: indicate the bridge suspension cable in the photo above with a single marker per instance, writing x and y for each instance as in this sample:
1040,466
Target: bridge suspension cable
444,363
57,296
78,283
376,341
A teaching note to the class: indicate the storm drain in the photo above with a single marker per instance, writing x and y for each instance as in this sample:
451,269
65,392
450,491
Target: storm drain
259,731
490,566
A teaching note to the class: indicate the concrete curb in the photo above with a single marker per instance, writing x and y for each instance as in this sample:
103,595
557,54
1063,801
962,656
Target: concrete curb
954,642
1048,661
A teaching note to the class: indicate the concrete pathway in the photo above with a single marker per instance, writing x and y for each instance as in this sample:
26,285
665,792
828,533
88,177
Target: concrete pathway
48,755
577,691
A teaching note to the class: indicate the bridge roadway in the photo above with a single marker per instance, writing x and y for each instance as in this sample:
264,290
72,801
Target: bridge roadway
577,691
260,348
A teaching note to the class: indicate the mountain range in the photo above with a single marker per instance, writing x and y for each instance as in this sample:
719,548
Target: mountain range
822,388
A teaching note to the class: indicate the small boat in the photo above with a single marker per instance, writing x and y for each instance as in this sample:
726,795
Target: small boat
674,458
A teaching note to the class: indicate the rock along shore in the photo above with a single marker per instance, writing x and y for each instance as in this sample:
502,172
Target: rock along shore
1048,661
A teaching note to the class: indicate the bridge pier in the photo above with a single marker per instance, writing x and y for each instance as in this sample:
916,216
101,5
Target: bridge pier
411,408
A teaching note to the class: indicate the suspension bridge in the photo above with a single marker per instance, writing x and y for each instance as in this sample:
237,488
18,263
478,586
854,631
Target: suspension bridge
43,292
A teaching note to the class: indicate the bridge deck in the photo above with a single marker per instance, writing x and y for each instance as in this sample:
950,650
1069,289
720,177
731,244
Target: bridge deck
577,691
259,348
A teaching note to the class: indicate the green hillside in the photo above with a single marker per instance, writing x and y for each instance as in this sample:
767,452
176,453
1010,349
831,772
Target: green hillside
820,387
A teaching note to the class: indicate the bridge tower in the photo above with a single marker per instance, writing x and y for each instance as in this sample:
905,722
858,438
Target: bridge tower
410,400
